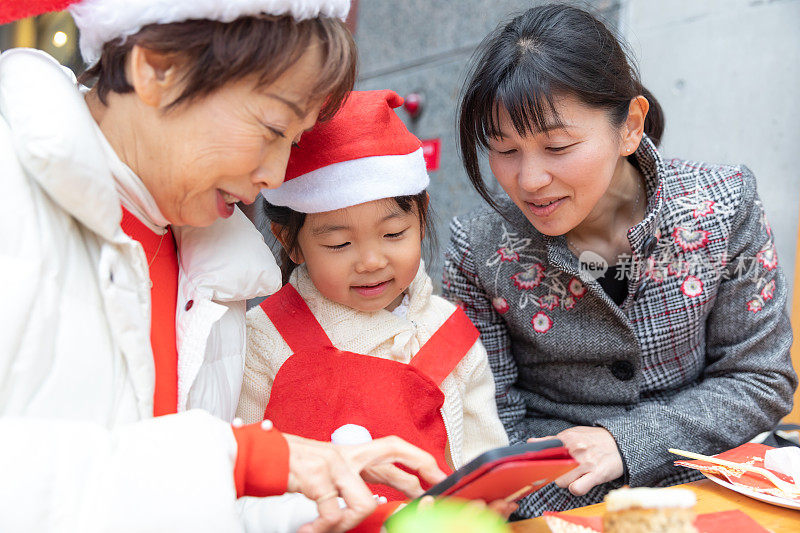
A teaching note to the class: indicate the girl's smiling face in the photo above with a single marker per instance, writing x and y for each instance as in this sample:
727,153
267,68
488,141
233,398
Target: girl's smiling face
364,256
557,176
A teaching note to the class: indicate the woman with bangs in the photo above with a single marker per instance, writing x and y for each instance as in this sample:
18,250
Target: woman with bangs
126,265
629,304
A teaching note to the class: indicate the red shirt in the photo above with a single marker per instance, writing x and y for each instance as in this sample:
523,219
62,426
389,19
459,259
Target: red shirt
255,446
162,256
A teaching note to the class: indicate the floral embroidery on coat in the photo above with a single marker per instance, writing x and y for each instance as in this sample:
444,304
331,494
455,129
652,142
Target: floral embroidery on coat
548,301
576,288
541,322
703,208
764,294
506,255
690,240
755,305
531,277
692,286
500,305
767,256
768,291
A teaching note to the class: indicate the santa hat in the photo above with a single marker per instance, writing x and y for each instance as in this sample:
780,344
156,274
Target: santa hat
101,21
363,153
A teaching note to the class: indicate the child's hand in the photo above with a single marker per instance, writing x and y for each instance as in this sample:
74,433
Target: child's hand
597,454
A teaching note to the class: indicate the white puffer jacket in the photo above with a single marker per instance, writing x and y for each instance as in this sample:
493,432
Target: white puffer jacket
77,452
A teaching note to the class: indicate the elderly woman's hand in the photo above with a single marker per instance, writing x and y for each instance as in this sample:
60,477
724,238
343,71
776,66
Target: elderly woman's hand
323,472
597,454
375,461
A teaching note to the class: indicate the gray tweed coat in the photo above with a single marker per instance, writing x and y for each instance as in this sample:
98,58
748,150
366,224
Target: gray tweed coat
696,357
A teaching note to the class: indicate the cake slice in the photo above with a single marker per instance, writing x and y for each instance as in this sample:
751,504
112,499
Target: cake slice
646,510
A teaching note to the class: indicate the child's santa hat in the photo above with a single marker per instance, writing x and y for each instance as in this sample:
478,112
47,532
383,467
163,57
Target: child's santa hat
101,21
363,153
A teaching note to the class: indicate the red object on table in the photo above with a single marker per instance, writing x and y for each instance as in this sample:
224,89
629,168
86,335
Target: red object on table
750,453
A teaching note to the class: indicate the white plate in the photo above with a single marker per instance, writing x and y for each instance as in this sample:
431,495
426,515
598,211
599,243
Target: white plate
768,498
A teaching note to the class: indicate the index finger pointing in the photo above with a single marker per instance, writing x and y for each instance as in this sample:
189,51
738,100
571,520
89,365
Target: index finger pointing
396,450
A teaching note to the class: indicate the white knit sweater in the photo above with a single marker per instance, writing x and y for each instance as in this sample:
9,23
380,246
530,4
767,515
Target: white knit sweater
469,410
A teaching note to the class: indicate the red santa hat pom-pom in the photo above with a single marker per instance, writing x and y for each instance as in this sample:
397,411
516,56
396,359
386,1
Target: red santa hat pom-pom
12,10
363,153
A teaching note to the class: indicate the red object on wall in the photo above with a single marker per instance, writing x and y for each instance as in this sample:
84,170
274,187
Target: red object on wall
412,103
431,149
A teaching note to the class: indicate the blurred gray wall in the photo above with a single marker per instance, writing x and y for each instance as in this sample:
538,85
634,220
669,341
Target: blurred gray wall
727,73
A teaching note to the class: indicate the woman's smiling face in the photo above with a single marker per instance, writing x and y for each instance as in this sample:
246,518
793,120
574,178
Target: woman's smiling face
556,177
229,145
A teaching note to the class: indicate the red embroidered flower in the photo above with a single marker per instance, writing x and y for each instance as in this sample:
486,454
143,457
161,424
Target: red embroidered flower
548,301
508,255
529,278
576,288
690,240
568,302
500,305
767,256
754,306
769,290
706,207
692,286
541,322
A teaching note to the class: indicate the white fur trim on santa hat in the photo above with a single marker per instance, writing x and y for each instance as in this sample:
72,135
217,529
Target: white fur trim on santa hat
101,21
353,182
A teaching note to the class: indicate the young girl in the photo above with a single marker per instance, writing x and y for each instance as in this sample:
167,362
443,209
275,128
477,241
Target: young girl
356,344
629,303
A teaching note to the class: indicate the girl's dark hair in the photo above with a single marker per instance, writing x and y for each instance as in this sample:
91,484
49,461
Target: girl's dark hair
525,65
292,221
211,54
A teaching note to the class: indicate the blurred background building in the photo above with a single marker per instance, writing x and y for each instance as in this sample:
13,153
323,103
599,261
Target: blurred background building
55,33
727,73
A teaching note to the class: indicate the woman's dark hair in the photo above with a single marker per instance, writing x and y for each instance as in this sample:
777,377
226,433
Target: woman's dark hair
211,54
525,65
292,221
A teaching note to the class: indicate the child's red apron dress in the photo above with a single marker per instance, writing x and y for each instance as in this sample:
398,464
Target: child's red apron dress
320,388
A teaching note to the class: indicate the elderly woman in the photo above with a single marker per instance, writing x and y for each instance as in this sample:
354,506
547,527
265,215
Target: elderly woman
125,266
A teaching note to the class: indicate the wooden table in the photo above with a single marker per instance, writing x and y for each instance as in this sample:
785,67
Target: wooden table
710,498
